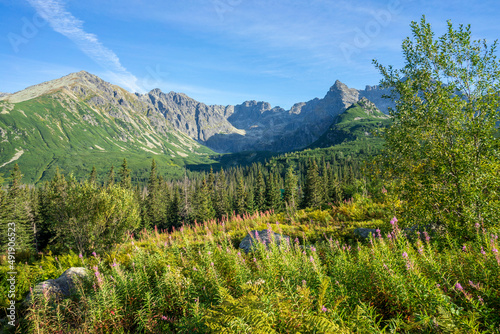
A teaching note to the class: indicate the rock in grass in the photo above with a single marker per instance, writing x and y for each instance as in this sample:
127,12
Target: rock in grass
264,236
61,287
365,232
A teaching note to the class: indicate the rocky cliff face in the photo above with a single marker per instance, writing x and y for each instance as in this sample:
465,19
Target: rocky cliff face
248,126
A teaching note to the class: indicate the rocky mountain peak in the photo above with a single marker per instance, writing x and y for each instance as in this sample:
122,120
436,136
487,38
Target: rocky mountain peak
338,85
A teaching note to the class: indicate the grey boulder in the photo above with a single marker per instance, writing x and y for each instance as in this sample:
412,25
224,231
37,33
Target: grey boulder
61,287
365,232
263,236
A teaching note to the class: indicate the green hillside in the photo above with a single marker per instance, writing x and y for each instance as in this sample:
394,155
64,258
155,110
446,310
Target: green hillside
355,127
65,130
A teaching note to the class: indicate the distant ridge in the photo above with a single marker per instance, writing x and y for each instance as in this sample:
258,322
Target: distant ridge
249,126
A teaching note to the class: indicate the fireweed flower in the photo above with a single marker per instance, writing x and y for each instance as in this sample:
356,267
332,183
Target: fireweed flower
482,251
459,287
313,249
405,255
80,256
378,234
464,248
427,238
303,282
94,254
324,309
311,258
212,264
394,220
194,268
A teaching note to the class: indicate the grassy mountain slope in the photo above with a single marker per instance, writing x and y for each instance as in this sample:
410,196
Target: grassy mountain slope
355,125
83,121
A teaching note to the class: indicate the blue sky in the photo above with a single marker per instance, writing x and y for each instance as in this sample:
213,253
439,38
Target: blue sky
220,51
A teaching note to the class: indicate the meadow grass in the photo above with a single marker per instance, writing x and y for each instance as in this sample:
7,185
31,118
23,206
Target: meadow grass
195,280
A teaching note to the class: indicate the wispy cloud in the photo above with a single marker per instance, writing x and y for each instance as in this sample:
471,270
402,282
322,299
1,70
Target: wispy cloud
63,22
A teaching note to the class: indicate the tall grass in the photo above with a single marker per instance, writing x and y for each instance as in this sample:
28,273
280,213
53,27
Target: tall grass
196,281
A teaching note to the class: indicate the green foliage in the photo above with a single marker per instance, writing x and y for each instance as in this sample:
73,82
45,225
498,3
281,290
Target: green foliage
312,188
357,125
194,281
16,215
290,196
441,147
87,217
51,132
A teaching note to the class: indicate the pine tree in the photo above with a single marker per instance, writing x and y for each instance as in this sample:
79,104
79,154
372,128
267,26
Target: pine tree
221,202
240,197
273,193
204,209
186,210
155,208
324,182
260,191
290,194
211,184
93,176
14,213
249,201
124,173
174,209
312,188
111,177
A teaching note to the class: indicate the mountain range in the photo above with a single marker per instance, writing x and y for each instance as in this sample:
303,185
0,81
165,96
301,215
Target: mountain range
79,121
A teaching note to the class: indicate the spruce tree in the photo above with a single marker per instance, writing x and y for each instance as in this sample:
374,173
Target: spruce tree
111,177
260,191
124,173
14,214
93,176
312,188
155,209
273,193
204,209
324,182
221,201
174,210
240,197
290,194
249,200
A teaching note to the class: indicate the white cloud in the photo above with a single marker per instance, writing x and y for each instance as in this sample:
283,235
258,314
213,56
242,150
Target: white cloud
65,23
